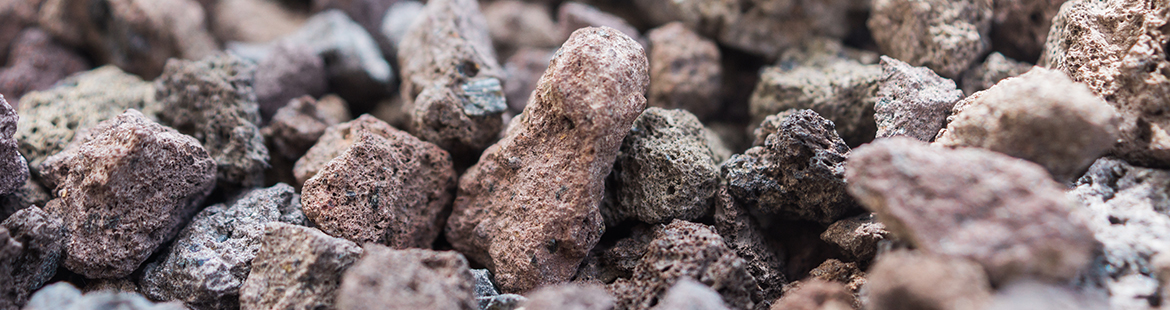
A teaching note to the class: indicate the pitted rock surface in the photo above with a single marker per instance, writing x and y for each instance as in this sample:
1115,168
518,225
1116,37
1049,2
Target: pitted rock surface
685,71
297,267
912,101
12,165
31,242
943,35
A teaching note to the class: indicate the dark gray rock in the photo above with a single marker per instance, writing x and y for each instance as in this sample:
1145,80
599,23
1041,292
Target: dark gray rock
32,242
297,267
63,296
912,101
31,194
13,167
385,278
858,236
755,244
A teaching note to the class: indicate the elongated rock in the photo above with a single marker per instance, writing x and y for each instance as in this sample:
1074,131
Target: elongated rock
385,278
297,267
529,210
12,165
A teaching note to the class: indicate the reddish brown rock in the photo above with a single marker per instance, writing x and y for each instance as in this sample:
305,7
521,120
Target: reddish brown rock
335,141
13,167
1020,27
36,63
858,236
385,278
574,15
910,280
841,272
38,238
14,16
114,221
297,267
816,294
569,297
943,35
758,246
253,20
297,126
517,24
685,72
529,210
524,69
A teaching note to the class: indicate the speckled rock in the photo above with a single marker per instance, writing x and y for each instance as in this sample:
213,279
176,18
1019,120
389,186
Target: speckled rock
12,164
523,70
213,101
903,279
451,79
288,72
483,284
32,243
515,24
611,260
63,296
385,278
569,297
1041,116
529,210
1117,49
816,294
742,233
1004,213
912,101
36,63
49,119
574,15
334,142
1020,27
685,71
858,236
687,294
797,175
30,194
297,267
212,256
115,223
943,35
684,249
388,187
841,272
994,69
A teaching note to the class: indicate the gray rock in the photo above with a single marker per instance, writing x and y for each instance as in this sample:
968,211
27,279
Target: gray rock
31,194
501,302
297,267
385,278
993,69
32,245
287,72
570,297
743,233
574,15
399,18
912,101
858,236
63,296
12,164
943,35
483,283
687,294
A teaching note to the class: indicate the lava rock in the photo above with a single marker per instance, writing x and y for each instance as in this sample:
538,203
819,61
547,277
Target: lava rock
685,71
212,256
213,101
903,279
483,283
943,35
523,70
63,296
36,63
752,242
689,294
30,194
288,72
858,236
297,267
570,297
33,241
335,141
529,210
515,24
816,294
451,79
1004,213
797,175
385,278
609,262
1019,28
912,101
115,222
253,20
574,15
841,272
12,164
399,17
994,69
1041,116
296,127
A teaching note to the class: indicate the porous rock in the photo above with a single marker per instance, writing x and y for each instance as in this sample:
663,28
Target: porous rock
296,127
288,72
32,243
483,283
903,279
858,236
515,24
816,294
529,210
114,221
297,267
523,70
689,294
943,35
993,69
912,101
742,233
12,165
36,62
685,71
609,261
569,297
841,272
63,296
335,141
1004,213
385,278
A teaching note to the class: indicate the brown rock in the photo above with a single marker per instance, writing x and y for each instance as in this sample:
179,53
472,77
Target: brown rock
385,278
30,194
524,69
858,236
14,16
38,238
912,101
1038,295
13,167
297,126
1020,27
515,25
297,267
841,272
569,297
36,63
529,210
816,294
943,35
994,69
335,141
911,280
685,72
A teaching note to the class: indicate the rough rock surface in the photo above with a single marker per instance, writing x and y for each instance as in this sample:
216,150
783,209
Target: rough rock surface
297,267
858,236
1019,28
399,17
516,24
1003,213
665,168
912,101
296,127
743,234
910,280
451,82
816,294
689,294
213,100
334,142
289,71
993,69
114,221
1041,116
385,278
49,119
483,283
387,187
943,35
36,63
569,297
30,249
12,164
63,296
608,262
841,272
1118,49
684,249
524,69
797,175
685,71
1039,295
529,210
30,194
212,256
574,15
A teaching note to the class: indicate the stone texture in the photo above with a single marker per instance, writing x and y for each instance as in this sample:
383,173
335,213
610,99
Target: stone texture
689,294
212,256
451,79
63,296
684,249
1020,27
1117,49
685,71
1041,116
32,244
15,15
858,236
751,241
816,294
297,267
388,187
912,101
385,278
529,210
574,15
253,20
335,141
114,221
943,35
30,194
841,272
296,127
797,175
12,164
1004,213
611,260
483,283
213,100
288,72
910,280
515,24
665,168
36,63
523,70
570,297
1162,263
993,69
49,119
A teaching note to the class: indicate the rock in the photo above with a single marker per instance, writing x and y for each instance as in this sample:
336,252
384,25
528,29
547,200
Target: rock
31,194
36,63
945,36
398,19
684,249
574,15
689,294
297,267
114,221
125,285
816,294
212,256
515,25
213,101
1041,116
523,70
797,175
902,279
12,164
288,72
685,72
1116,48
367,13
49,119
608,262
502,302
912,101
1036,295
137,36
858,236
15,15
63,296
451,79
841,272
665,168
385,278
1019,27
742,233
1003,213
32,247
253,20
483,283
529,210
297,126
570,297
335,141
994,69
